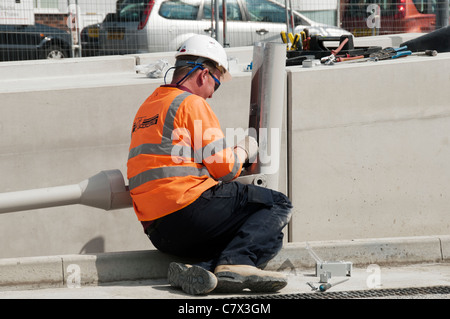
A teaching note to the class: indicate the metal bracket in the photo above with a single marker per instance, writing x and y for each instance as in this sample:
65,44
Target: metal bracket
328,269
335,268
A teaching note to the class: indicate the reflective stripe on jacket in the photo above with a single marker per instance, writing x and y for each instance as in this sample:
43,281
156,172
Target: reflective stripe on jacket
177,152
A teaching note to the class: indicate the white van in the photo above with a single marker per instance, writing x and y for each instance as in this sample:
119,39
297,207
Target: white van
141,26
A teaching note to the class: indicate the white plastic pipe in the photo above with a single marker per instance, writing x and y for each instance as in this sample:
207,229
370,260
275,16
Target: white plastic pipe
106,190
39,198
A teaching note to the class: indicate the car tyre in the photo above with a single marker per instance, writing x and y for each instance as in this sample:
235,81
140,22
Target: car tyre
54,52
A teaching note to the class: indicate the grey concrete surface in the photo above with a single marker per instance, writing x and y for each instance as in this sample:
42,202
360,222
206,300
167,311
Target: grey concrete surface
371,277
376,264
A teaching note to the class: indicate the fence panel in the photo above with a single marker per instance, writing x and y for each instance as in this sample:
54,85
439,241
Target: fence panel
38,29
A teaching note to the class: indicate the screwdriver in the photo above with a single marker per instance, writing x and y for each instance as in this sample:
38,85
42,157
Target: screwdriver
283,37
426,52
291,37
325,287
296,44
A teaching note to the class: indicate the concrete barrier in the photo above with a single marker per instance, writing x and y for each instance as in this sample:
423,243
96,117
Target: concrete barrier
57,129
369,146
370,149
61,124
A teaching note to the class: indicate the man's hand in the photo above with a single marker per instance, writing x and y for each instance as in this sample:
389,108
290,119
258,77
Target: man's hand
250,146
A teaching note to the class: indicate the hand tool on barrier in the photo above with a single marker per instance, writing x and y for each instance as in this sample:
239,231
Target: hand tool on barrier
426,52
349,58
329,60
391,53
401,54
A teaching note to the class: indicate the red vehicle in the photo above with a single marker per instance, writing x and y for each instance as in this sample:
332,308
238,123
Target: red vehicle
378,17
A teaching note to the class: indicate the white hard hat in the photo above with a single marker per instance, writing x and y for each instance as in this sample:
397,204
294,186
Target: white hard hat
206,47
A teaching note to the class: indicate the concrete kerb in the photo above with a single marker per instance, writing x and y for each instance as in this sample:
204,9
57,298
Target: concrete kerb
97,269
31,272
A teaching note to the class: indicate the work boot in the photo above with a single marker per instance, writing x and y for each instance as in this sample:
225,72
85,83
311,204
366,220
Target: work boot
193,280
235,278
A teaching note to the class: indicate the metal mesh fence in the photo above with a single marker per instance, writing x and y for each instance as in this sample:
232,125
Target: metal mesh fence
37,29
370,17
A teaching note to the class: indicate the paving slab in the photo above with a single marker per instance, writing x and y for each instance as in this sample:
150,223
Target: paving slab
371,278
142,266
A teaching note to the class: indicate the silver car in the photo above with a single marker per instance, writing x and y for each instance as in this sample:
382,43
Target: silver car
141,26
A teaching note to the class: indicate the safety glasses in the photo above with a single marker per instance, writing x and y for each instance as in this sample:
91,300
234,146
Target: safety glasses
217,85
201,67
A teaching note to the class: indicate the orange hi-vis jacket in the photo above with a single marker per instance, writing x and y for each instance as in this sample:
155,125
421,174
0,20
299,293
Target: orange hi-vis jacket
177,152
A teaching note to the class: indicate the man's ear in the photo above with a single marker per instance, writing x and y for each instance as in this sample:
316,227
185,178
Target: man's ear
203,75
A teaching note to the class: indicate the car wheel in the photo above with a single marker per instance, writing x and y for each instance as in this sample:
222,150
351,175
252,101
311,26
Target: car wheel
54,52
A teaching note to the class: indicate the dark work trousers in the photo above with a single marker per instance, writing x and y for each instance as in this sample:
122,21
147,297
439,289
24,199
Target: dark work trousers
229,224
